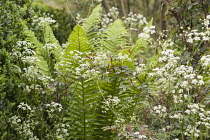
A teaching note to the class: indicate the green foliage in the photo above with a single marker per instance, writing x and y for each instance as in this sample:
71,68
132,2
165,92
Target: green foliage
78,40
62,27
50,39
91,24
82,110
114,37
113,92
10,30
196,11
52,47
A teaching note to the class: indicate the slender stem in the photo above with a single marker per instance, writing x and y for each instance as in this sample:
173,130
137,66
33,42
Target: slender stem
67,8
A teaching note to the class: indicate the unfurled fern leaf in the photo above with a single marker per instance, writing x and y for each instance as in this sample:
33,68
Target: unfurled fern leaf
46,61
140,45
31,36
50,39
78,40
82,110
114,37
91,24
113,87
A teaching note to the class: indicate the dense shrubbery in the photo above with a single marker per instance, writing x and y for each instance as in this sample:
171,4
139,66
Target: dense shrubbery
104,82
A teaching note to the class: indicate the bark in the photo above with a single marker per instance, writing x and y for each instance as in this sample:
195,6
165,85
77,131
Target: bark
163,19
107,7
123,8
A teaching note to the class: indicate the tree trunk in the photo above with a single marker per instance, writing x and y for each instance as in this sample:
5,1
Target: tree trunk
163,20
107,7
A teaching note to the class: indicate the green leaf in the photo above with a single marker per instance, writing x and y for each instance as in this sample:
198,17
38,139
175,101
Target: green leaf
78,41
113,38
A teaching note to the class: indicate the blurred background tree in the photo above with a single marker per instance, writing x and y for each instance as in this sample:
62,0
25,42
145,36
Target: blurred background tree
155,9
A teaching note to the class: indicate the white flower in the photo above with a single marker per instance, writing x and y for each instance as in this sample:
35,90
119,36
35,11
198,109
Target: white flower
194,81
187,111
143,35
197,38
190,40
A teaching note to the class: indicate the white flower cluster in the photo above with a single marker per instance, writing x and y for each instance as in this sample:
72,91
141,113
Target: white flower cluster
143,35
203,115
113,12
15,120
205,61
31,73
179,98
139,69
107,19
123,57
111,100
100,59
53,107
147,31
190,78
207,22
176,116
174,76
25,128
192,130
134,20
24,106
105,22
62,131
193,108
194,35
48,19
26,52
150,29
139,136
159,110
29,59
23,43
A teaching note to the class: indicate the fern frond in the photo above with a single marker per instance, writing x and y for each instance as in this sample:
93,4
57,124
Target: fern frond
78,40
91,23
113,86
46,61
31,36
140,45
50,39
82,110
114,37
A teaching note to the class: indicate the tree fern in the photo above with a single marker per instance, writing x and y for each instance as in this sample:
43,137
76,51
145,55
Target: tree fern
113,38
